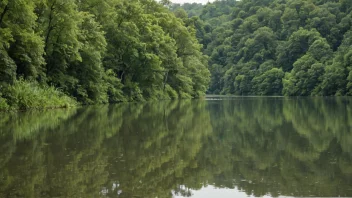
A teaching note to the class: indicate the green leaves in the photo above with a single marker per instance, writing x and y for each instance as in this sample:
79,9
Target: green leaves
7,68
269,83
102,51
30,95
303,39
20,40
304,77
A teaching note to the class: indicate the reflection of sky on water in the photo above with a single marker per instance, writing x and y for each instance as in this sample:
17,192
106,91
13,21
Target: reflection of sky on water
212,192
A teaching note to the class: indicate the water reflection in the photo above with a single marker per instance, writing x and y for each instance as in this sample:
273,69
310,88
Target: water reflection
291,147
260,146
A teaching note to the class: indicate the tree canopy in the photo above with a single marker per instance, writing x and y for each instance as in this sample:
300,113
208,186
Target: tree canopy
118,50
100,51
276,47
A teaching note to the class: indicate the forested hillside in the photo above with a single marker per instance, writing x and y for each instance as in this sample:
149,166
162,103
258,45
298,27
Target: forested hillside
56,52
277,47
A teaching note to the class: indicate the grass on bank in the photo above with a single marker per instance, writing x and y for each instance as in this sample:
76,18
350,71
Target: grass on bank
24,95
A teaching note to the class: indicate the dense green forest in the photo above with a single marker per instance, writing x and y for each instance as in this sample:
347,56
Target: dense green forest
55,53
276,47
58,53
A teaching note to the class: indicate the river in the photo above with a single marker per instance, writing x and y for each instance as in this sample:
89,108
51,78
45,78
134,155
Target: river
215,147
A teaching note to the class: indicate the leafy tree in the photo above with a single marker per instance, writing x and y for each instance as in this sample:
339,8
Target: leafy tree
304,77
335,78
269,83
244,35
102,51
21,49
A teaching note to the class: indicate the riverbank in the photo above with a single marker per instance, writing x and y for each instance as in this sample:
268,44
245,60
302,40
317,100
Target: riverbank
24,95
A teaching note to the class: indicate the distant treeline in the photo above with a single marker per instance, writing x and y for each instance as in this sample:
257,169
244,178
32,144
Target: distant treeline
276,47
56,52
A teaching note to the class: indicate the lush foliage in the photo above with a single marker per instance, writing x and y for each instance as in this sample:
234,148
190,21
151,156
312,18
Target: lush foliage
192,9
274,47
99,51
24,95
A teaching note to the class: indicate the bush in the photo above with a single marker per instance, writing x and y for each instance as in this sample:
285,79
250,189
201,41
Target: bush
27,95
3,104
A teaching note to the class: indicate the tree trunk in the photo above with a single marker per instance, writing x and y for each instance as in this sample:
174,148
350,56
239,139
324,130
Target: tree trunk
3,13
50,27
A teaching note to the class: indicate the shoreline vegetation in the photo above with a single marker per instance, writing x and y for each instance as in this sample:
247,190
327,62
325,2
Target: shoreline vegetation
63,53
24,95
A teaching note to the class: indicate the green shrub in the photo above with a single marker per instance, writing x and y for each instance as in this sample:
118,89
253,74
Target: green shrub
27,95
113,87
3,104
171,92
184,95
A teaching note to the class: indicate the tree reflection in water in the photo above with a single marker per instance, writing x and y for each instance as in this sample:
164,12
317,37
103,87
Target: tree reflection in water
276,146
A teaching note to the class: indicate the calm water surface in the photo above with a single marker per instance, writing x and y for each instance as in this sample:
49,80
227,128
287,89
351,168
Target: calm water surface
219,147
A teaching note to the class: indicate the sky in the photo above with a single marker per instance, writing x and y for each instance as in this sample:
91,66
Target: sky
191,1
